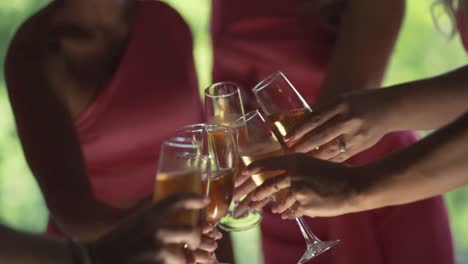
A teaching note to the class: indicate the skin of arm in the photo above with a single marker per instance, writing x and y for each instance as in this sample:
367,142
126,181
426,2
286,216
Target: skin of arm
362,118
428,103
366,37
16,247
35,66
320,188
433,166
143,237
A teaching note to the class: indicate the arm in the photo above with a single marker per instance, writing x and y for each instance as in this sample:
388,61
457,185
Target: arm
47,132
433,166
361,119
141,238
366,38
428,103
25,248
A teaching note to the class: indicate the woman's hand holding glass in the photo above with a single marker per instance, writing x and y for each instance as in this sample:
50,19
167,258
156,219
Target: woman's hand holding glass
337,131
146,237
317,188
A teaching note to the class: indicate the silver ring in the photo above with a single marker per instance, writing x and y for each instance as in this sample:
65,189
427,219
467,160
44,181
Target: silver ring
342,145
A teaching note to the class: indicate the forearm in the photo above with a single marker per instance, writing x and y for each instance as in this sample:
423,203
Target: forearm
433,166
426,104
22,248
49,140
366,38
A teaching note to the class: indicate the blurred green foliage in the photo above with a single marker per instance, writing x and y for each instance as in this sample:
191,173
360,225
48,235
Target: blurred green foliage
421,52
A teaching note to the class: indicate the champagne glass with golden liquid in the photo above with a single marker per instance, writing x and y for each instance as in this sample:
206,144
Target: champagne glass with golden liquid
217,142
257,141
223,106
181,170
282,103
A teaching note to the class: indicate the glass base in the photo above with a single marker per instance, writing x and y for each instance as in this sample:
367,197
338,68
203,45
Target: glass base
248,220
315,249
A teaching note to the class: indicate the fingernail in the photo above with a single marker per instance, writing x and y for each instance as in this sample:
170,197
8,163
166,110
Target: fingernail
248,172
273,210
290,137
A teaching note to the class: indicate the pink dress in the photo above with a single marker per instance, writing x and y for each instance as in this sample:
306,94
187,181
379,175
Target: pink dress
251,40
153,92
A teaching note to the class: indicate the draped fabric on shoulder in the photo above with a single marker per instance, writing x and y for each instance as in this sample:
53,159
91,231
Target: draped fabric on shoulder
153,91
255,38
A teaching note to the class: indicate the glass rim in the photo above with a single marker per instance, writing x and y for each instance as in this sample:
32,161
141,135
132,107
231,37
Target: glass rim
202,126
181,142
236,90
191,127
268,80
247,117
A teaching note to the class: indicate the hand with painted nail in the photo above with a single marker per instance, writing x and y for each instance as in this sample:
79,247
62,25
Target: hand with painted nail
338,131
316,187
146,237
244,186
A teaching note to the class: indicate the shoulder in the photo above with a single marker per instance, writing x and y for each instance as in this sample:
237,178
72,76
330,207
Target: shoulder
165,17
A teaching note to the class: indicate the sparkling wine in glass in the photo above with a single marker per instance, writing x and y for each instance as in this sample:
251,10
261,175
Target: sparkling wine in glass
218,143
282,104
257,141
224,105
285,109
180,170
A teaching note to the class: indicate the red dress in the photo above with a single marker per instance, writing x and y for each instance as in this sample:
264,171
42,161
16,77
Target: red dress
252,39
153,92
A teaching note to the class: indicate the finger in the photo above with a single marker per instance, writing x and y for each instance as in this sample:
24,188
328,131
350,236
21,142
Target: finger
322,135
243,206
171,255
244,189
269,164
271,186
285,204
260,204
241,179
201,257
294,212
215,234
211,231
333,148
147,221
355,148
208,244
319,209
207,228
180,235
341,157
316,119
184,201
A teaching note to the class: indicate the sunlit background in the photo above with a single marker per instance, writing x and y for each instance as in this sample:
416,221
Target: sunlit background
422,51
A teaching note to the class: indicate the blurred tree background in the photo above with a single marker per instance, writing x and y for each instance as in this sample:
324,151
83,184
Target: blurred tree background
422,51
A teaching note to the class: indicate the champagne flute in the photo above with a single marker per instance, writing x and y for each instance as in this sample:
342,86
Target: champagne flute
217,142
285,109
181,170
223,105
282,103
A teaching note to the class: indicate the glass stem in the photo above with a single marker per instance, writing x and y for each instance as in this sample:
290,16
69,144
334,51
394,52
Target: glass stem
309,237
